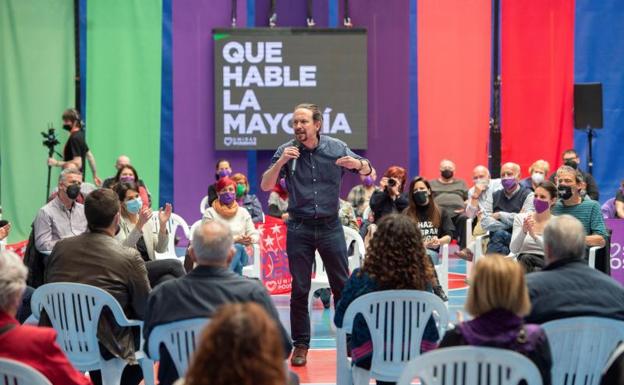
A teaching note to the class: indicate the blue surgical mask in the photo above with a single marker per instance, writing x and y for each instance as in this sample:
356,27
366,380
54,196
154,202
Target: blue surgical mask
133,206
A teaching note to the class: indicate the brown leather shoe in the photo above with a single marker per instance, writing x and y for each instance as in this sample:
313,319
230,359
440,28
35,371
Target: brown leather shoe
299,356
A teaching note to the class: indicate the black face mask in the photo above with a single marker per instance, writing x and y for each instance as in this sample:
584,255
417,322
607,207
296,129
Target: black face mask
420,197
67,127
571,163
446,174
564,192
72,191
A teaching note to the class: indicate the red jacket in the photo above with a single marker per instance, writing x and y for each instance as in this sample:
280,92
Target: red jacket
37,348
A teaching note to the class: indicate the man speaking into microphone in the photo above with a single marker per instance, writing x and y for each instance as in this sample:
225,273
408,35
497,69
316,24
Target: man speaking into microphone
313,165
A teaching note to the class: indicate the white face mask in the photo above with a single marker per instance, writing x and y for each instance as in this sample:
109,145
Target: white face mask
537,177
482,182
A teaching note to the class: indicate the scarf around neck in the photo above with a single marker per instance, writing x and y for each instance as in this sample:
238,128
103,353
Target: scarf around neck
225,211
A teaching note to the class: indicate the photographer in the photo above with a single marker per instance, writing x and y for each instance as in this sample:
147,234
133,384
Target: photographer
391,198
76,149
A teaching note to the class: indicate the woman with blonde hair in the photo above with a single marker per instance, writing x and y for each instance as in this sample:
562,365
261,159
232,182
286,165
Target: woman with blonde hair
538,172
498,299
241,345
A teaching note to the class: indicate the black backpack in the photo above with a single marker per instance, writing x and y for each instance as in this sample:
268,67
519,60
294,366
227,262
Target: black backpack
33,259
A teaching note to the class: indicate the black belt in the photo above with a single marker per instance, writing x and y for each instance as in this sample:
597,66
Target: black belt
314,221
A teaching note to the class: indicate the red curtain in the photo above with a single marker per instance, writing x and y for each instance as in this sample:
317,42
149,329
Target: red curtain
454,70
537,80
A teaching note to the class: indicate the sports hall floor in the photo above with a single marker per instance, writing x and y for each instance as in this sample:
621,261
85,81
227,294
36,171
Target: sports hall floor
321,367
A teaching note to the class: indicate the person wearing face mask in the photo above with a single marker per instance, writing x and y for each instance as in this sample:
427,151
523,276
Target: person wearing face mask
227,210
136,231
526,239
587,211
571,159
122,160
96,258
450,194
222,170
278,200
85,187
76,149
249,201
506,203
360,195
128,173
537,174
62,217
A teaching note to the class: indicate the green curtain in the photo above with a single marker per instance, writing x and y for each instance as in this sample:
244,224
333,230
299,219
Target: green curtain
36,85
124,85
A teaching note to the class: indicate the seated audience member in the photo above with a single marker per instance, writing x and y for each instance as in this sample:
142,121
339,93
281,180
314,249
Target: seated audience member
201,292
481,193
128,173
435,224
62,217
526,240
249,201
85,187
346,214
569,186
450,195
566,286
136,231
244,334
619,202
498,299
396,260
96,258
121,161
30,345
360,195
390,198
278,200
237,218
506,203
537,174
571,159
222,169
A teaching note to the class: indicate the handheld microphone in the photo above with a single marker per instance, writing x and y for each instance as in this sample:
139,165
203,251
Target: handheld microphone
295,143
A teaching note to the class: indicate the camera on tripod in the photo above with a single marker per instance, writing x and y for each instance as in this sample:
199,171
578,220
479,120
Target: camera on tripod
50,140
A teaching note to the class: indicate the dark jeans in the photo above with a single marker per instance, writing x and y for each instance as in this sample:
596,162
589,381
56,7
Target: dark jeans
303,238
499,242
531,262
162,270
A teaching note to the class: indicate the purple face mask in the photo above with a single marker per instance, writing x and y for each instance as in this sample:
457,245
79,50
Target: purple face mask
509,183
368,181
224,173
282,183
227,198
126,178
540,205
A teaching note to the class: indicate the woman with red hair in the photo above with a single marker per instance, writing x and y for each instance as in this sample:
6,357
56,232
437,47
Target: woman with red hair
391,198
226,209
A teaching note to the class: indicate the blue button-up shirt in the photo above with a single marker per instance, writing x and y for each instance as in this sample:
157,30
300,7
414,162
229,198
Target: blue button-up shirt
314,187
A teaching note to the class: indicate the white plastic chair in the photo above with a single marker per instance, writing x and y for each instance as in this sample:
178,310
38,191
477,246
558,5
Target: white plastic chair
203,204
320,280
396,320
74,310
15,373
472,365
591,256
174,222
442,268
194,227
581,346
180,339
